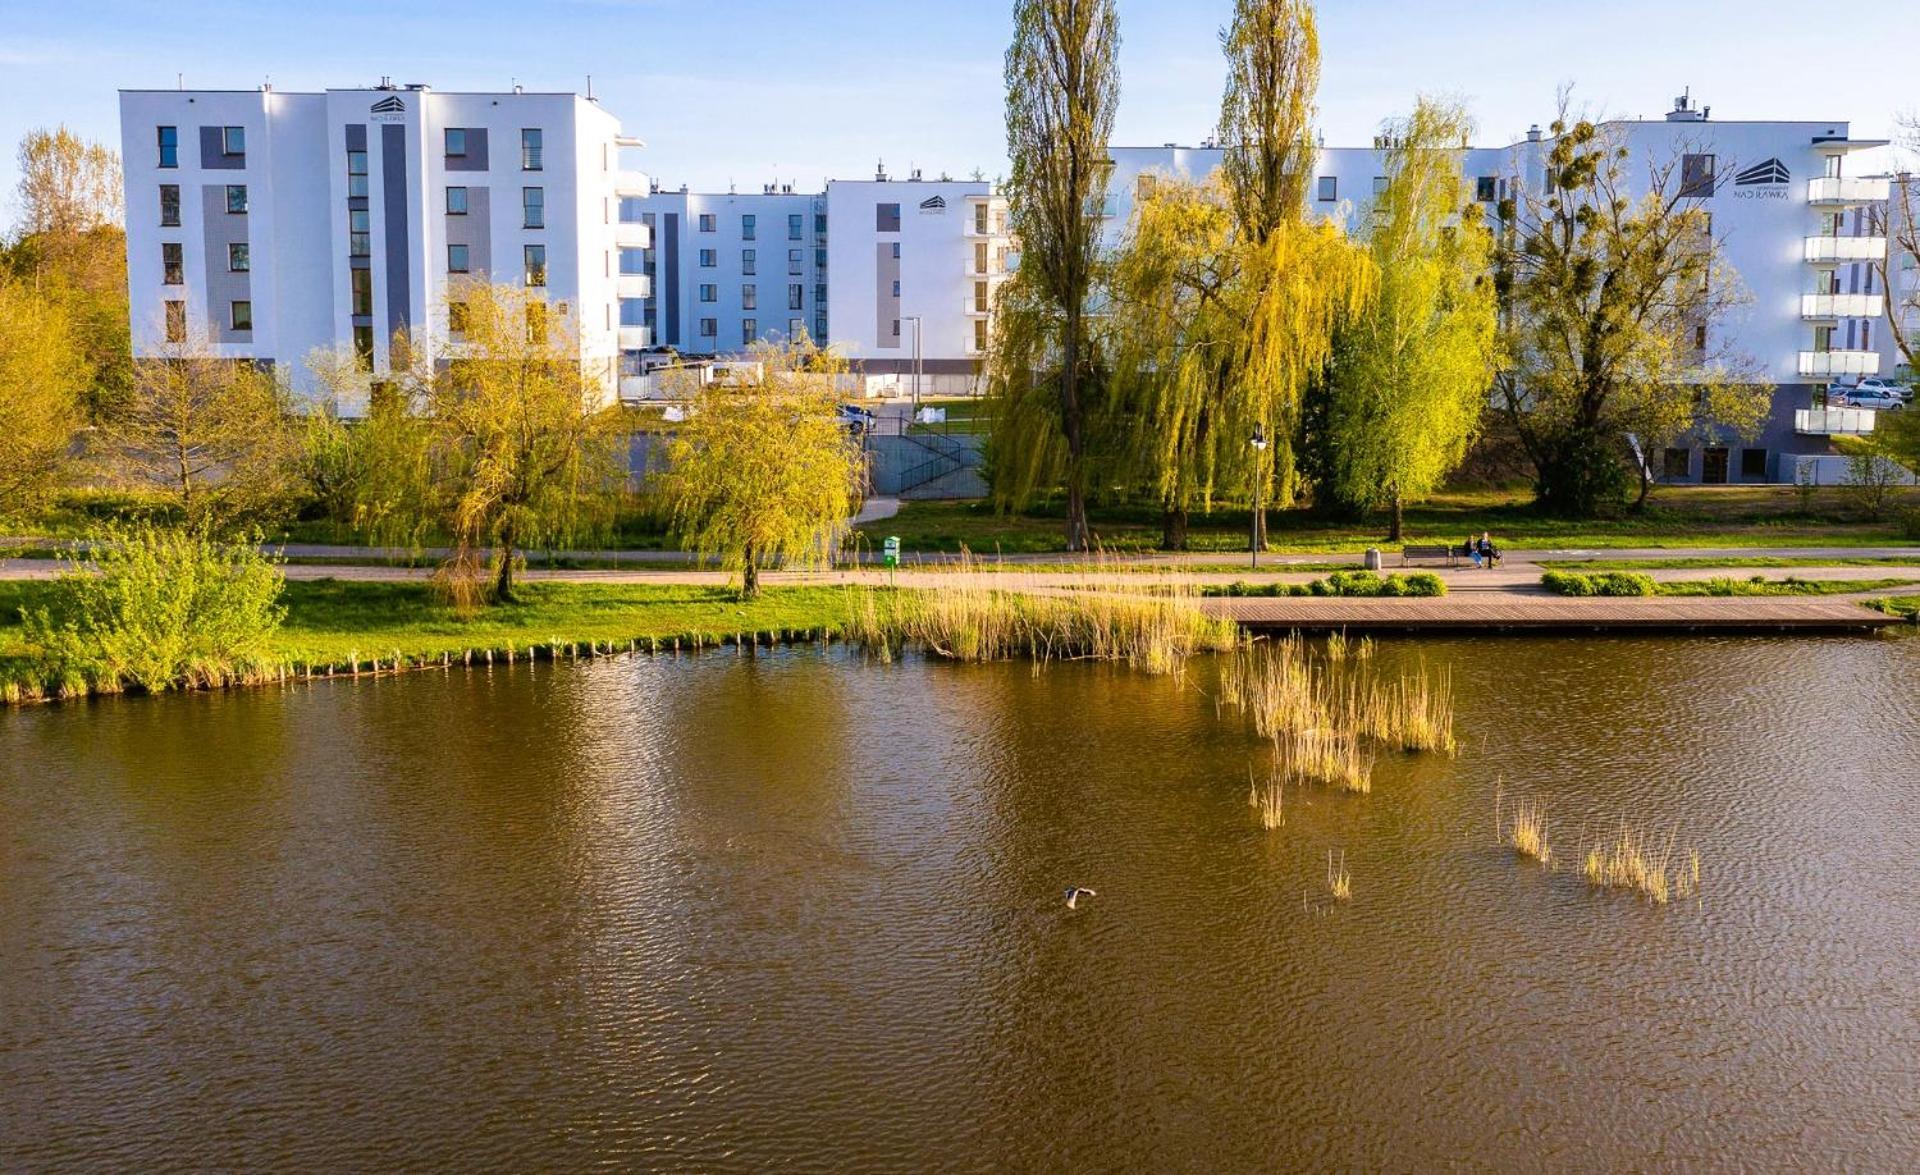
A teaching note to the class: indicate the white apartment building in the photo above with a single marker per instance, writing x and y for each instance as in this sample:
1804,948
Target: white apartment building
1793,206
265,226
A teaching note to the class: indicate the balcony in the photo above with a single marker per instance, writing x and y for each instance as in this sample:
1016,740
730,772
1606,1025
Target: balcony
1821,307
631,183
632,236
1821,249
993,267
1825,363
633,285
1833,422
974,307
1836,191
636,338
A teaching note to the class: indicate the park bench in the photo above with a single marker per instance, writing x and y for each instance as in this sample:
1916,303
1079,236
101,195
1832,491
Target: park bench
1443,554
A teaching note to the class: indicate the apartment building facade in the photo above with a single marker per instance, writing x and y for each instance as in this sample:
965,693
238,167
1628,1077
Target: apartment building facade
1795,209
268,226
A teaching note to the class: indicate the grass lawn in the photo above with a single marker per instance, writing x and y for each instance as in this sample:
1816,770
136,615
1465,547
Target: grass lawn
1907,606
333,621
1776,587
1703,516
1739,562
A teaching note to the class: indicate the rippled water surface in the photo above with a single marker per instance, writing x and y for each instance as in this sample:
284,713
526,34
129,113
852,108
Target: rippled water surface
727,911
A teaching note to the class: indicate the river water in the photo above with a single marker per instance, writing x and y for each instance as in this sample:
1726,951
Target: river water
731,911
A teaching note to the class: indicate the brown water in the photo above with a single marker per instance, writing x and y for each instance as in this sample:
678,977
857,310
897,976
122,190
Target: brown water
729,912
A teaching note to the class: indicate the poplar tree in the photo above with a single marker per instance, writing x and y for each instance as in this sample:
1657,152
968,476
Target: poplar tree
1413,374
1062,90
42,374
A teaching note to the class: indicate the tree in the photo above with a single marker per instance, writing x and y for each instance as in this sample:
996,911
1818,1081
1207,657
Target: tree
1062,90
42,374
1892,271
762,471
521,444
1297,280
69,248
1609,300
210,436
1412,374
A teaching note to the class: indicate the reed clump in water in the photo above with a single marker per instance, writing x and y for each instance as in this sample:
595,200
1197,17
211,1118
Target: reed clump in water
1628,860
1528,832
1321,754
1339,881
1268,800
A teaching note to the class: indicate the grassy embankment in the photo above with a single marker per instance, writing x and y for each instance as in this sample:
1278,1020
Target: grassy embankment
1632,583
1709,516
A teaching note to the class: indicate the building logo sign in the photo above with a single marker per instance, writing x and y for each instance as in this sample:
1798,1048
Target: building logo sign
388,109
1766,180
934,205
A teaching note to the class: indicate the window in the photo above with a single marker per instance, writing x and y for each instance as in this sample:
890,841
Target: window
456,259
896,250
794,262
631,213
979,334
749,297
896,287
886,218
1485,189
534,257
820,294
356,173
1700,338
747,221
1753,465
820,328
819,258
457,318
796,296
980,210
233,140
236,198
359,235
238,260
796,327
1696,175
709,293
533,207
176,322
169,146
169,205
896,328
706,222
530,150
1677,464
709,258
633,312
361,288
456,137
749,331
363,347
795,224
633,261
172,267
747,264
241,315
1329,187
709,328
456,201
1379,185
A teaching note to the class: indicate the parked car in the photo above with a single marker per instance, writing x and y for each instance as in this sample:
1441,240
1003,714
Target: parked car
1883,401
1873,385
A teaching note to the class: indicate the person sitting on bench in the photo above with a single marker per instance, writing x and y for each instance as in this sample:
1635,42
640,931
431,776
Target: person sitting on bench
1486,550
1470,551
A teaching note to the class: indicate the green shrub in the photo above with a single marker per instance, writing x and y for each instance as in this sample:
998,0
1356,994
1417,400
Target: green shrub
1600,583
152,609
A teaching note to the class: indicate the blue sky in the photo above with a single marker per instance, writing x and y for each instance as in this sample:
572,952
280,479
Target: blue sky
748,91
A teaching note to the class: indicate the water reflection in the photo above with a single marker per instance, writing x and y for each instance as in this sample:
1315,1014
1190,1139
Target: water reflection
740,909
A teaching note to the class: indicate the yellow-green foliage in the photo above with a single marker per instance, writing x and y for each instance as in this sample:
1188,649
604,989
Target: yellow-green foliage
1628,860
762,472
153,609
1268,799
42,373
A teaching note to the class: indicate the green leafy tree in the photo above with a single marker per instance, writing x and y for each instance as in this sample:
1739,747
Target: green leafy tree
1607,298
1062,91
1412,374
762,472
43,372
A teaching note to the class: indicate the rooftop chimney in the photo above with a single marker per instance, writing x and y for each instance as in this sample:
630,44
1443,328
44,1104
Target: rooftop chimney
1533,133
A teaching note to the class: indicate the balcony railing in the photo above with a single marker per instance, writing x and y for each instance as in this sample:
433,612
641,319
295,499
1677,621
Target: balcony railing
633,235
633,285
1839,363
991,267
1835,190
635,338
1832,422
975,307
631,183
1846,248
1821,306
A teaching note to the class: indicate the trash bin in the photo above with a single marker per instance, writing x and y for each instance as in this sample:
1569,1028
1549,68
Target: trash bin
890,551
1373,559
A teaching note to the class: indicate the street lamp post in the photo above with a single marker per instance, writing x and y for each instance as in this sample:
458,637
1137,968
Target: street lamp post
1259,442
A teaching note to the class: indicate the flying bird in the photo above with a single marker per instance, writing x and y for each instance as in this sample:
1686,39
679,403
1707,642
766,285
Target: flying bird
1075,893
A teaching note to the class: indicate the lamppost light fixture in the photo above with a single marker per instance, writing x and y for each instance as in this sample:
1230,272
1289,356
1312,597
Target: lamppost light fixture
1259,439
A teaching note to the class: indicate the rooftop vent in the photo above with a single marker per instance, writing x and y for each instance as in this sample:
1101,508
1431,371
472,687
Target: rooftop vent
1685,111
1533,133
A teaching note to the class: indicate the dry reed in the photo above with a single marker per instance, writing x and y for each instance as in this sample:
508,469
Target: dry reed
1339,881
1267,799
1628,860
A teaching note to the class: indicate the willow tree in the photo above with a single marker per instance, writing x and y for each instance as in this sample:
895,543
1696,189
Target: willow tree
1611,303
1297,278
763,472
1412,375
1062,90
1175,331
